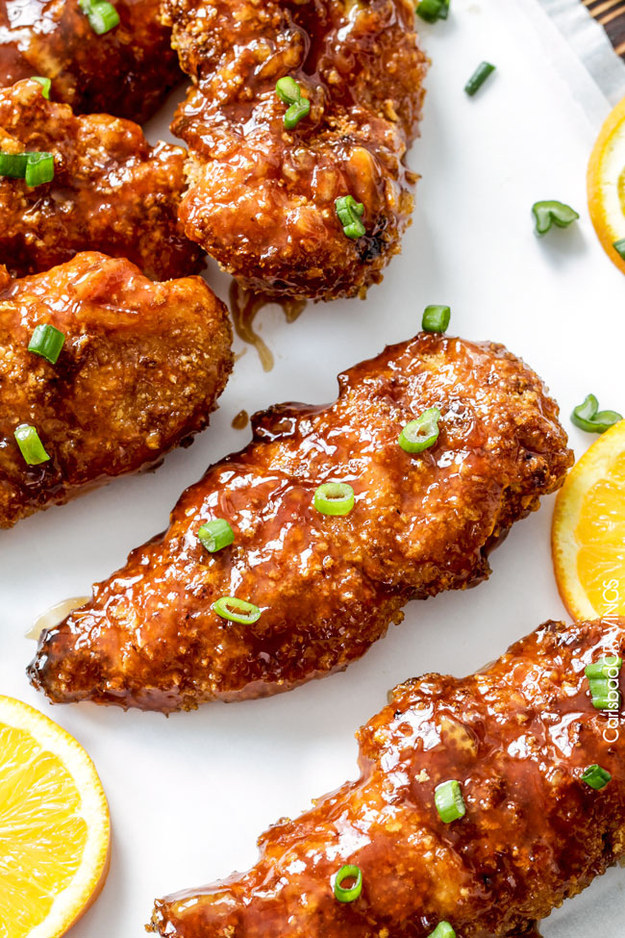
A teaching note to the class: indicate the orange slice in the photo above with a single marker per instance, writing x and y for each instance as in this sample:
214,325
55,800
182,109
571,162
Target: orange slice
588,533
606,184
54,826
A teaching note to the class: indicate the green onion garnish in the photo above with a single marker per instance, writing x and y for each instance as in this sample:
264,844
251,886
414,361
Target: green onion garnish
101,14
46,84
619,247
350,212
349,893
334,498
236,610
551,213
39,169
443,930
449,801
421,433
604,666
215,535
13,165
47,342
30,445
596,777
478,78
290,92
433,10
435,318
34,168
588,417
604,696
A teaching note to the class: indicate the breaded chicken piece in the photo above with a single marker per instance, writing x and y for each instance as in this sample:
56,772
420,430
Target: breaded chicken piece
518,738
127,71
111,192
326,587
261,197
139,372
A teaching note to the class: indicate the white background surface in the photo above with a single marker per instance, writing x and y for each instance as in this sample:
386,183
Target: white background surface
189,794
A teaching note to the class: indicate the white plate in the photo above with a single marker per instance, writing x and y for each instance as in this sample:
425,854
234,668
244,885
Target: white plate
190,794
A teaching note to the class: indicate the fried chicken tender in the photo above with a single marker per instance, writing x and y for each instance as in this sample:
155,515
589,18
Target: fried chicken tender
262,198
111,192
139,373
126,71
327,587
517,737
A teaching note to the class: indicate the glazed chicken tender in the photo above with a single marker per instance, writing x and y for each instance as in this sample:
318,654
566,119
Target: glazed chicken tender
111,191
127,71
262,197
140,368
517,738
322,587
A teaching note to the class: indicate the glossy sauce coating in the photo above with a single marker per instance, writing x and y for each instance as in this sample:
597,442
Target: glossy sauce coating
126,72
327,587
111,192
140,370
518,737
261,198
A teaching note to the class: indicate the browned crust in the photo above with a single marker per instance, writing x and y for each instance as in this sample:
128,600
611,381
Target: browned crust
518,737
327,587
261,198
142,366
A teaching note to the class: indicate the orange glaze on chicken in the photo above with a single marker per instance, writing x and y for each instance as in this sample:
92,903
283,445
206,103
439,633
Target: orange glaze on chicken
139,372
518,737
126,71
326,587
262,198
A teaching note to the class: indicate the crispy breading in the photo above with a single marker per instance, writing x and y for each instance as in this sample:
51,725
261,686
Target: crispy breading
261,198
517,737
140,370
111,192
327,587
126,71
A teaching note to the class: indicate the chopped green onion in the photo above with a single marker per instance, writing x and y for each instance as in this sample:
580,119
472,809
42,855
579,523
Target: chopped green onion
551,213
596,777
449,801
436,318
604,697
350,212
215,535
45,83
13,165
421,433
619,247
296,112
349,893
478,78
236,610
334,498
290,92
30,445
47,342
433,10
443,930
588,417
101,14
39,169
34,168
603,667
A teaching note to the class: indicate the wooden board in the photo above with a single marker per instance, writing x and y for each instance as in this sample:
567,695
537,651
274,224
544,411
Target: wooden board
611,15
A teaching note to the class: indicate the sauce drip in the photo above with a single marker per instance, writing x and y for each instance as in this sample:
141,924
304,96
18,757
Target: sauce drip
246,304
241,420
55,615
